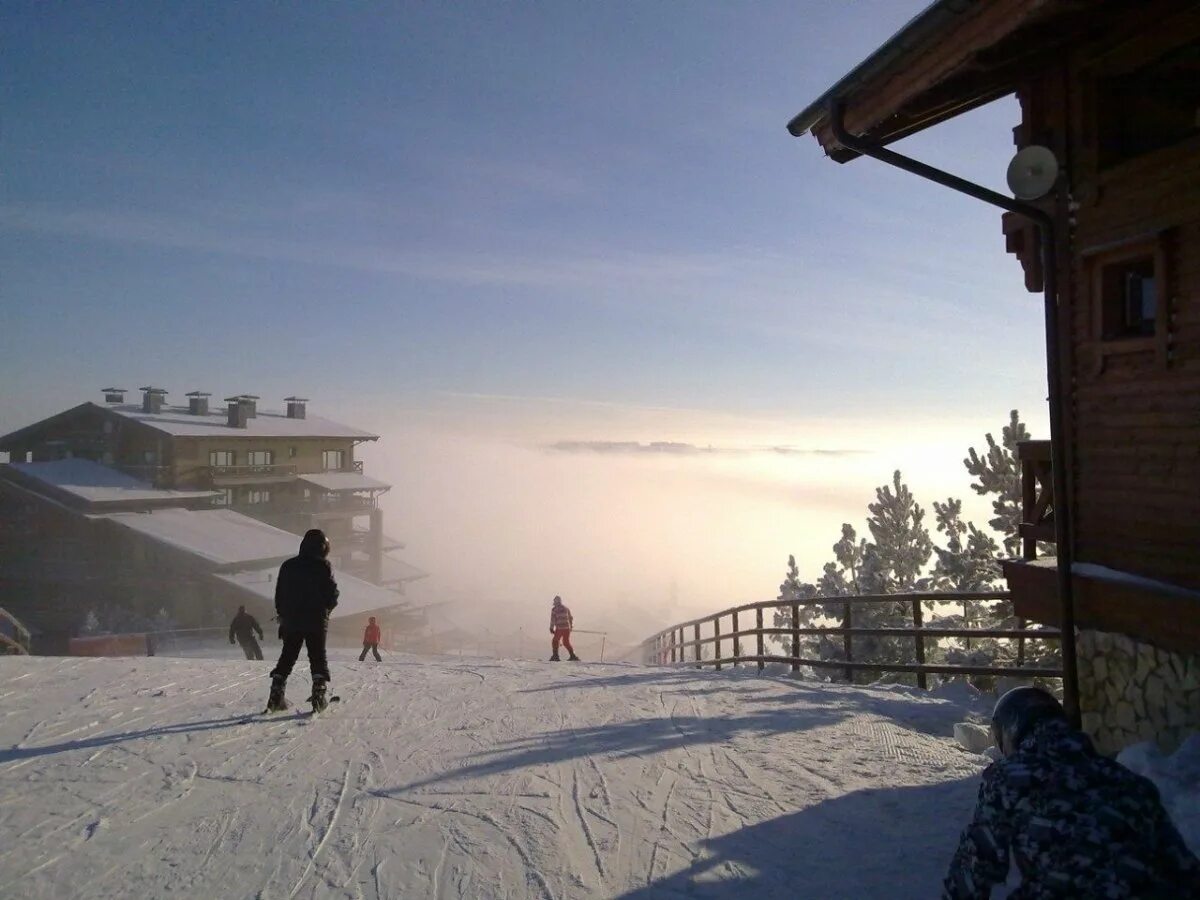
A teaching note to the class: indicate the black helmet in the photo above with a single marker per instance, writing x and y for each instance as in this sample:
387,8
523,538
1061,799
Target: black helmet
1018,711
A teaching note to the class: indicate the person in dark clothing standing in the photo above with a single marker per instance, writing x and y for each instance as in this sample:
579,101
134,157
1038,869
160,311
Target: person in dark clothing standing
305,594
1078,824
243,627
371,636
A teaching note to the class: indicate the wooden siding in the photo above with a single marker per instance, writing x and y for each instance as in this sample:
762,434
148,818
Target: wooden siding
1136,408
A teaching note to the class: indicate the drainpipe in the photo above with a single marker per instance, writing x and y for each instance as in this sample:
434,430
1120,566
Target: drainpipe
1045,223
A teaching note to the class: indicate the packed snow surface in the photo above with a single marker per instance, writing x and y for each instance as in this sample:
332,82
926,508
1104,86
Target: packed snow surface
448,777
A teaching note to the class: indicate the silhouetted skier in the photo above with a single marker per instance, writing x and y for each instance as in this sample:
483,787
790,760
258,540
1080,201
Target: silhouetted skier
371,635
561,622
242,628
305,594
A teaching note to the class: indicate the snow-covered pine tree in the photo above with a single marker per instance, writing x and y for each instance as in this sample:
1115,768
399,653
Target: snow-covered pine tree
892,563
967,566
791,590
998,472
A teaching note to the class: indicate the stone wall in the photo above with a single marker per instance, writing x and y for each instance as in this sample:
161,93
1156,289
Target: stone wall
1130,691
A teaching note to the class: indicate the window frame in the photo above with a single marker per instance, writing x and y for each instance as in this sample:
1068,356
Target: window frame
341,458
1101,260
212,458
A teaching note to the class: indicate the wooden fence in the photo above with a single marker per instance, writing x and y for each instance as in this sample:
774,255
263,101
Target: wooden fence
674,646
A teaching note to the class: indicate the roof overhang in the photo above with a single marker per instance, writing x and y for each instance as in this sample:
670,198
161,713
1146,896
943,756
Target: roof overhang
953,57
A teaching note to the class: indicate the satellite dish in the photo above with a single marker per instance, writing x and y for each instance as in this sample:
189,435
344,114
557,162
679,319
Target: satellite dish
1032,172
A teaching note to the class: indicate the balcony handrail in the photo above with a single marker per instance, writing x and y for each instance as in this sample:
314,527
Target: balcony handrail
263,469
669,646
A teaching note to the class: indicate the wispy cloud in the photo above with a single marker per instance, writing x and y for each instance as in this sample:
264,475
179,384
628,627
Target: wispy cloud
562,269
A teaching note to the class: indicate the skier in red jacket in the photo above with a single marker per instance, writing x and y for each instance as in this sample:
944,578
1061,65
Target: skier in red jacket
561,621
371,637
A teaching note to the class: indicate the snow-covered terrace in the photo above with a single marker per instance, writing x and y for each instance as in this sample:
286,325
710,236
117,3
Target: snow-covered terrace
355,598
81,482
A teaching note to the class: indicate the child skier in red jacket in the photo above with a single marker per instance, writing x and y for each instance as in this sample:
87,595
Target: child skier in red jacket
371,637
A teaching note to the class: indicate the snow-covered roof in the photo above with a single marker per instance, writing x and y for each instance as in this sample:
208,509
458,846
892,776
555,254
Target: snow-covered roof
221,537
397,570
177,421
344,481
99,485
355,595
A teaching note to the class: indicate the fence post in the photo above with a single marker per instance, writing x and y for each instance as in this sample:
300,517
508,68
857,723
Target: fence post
847,645
737,647
717,643
759,643
795,637
918,624
696,635
1022,624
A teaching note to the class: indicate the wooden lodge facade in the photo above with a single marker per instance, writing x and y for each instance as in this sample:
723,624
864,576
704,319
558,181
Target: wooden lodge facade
1112,88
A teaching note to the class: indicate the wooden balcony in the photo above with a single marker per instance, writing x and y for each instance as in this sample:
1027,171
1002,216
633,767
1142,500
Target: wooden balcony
229,476
1037,496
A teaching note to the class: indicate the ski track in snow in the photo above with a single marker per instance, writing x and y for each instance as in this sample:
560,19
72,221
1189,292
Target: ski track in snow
464,778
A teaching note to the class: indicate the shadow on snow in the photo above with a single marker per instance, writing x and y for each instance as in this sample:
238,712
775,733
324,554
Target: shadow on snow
893,842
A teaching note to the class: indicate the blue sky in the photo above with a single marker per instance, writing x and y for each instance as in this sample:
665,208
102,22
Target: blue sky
523,223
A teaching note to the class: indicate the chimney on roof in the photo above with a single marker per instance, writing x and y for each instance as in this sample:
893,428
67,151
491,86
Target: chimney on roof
251,402
114,395
198,403
152,399
295,407
239,411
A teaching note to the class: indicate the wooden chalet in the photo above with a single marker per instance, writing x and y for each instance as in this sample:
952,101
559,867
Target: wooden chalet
1112,88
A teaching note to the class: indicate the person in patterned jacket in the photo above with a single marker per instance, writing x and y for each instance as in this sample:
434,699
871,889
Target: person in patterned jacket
1078,824
561,623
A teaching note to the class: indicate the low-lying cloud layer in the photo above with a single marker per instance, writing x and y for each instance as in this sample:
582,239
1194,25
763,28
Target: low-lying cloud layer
677,448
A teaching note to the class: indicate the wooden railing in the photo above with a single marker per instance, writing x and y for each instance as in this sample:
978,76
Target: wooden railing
14,637
1037,496
674,646
251,472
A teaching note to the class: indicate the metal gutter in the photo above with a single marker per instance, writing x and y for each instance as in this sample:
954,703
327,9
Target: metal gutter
924,24
1045,223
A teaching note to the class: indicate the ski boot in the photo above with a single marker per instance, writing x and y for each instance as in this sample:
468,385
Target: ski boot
554,658
573,658
318,698
277,702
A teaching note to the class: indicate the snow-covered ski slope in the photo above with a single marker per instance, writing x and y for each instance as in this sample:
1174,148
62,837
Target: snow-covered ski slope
446,777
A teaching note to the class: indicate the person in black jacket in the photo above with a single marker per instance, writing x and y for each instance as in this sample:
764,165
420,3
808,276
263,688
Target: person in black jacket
243,627
305,594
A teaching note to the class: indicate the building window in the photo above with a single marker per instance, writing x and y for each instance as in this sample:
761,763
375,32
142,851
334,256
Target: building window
149,457
291,452
1146,109
260,457
1128,299
223,498
258,497
221,458
332,460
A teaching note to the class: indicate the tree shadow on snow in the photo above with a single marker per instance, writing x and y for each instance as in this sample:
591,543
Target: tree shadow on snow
891,842
104,740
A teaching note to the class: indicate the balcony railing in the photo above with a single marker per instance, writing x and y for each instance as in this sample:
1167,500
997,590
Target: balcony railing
249,473
1037,496
159,476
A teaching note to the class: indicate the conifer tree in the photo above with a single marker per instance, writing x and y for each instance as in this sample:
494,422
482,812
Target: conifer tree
998,472
791,590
